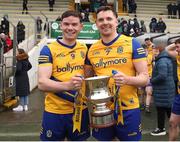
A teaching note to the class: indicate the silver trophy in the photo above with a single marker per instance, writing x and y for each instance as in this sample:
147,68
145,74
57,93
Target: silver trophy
98,97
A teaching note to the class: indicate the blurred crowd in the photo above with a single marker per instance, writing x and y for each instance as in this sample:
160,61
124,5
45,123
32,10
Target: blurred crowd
173,10
133,27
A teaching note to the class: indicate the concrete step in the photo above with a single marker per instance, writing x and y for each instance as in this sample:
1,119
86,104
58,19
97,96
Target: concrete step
32,1
154,12
36,8
9,5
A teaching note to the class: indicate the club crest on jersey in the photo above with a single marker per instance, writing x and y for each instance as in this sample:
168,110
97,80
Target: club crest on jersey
108,50
82,54
120,49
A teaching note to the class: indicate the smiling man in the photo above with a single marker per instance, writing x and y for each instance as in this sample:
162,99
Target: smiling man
126,56
60,70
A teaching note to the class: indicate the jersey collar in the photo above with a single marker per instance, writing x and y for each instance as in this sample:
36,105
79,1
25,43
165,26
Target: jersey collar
111,42
63,44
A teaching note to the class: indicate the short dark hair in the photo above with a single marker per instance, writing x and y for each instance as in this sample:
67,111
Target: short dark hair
147,39
21,51
106,8
69,13
177,41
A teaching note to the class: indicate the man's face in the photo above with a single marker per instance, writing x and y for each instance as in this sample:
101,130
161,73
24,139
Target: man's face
106,22
178,48
71,27
148,42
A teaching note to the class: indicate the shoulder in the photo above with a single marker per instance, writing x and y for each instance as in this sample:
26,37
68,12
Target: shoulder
81,45
96,44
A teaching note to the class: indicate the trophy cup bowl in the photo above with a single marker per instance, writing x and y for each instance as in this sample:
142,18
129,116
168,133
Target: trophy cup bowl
98,98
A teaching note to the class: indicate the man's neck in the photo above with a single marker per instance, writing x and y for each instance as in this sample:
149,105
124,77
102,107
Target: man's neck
109,38
68,42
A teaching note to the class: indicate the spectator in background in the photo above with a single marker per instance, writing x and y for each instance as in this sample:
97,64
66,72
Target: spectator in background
3,42
46,27
124,2
58,18
134,7
150,57
169,8
175,112
20,31
136,25
51,4
39,26
91,5
22,80
97,4
5,25
103,3
163,88
25,2
123,26
178,7
161,26
174,10
84,17
9,42
142,27
130,6
153,25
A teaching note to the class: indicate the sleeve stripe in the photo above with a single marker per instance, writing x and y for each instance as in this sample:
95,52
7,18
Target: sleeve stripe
140,59
44,57
43,60
45,64
140,50
141,53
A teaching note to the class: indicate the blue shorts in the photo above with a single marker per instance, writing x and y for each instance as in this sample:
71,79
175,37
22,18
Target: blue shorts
130,131
176,105
57,127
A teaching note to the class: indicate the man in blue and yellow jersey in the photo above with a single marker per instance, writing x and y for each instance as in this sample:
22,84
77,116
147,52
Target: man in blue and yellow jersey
149,45
148,89
60,77
126,56
175,112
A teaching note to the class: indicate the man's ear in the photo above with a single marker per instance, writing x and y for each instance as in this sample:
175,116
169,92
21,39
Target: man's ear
82,25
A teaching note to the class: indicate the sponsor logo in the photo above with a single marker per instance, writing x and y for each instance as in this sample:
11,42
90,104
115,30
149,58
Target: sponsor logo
55,26
69,68
49,133
104,64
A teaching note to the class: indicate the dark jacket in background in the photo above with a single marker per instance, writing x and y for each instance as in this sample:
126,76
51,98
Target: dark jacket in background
20,32
21,77
163,81
161,27
5,26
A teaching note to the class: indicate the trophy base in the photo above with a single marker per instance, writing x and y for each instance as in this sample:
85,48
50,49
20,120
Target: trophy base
102,120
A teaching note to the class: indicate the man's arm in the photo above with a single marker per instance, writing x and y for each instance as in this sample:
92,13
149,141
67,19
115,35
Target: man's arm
46,84
140,80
